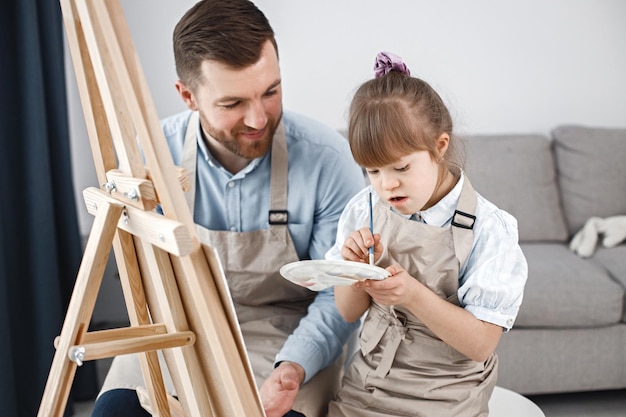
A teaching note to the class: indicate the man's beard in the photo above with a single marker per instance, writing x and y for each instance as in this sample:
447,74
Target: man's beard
241,147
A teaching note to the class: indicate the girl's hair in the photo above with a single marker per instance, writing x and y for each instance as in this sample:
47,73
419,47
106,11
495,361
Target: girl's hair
231,32
394,115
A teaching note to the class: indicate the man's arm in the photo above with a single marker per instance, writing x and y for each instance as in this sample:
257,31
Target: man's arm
305,353
320,336
318,341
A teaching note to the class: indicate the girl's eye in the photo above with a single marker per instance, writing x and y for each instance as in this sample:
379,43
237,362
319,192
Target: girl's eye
403,169
371,171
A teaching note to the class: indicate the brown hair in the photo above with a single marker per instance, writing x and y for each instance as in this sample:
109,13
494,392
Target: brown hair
231,32
394,115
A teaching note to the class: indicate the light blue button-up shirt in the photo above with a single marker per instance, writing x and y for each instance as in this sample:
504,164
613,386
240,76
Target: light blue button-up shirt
491,283
322,178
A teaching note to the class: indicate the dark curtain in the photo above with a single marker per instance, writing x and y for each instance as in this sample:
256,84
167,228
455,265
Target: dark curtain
40,249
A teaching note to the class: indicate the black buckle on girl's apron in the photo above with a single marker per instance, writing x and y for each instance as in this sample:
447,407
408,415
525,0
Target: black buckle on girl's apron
278,216
466,224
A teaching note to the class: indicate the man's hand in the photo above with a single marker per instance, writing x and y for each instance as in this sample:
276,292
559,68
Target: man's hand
279,391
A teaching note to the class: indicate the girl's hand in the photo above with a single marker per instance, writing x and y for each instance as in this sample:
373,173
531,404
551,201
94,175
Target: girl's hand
397,289
357,244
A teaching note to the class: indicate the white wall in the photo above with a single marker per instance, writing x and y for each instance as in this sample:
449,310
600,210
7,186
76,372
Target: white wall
502,66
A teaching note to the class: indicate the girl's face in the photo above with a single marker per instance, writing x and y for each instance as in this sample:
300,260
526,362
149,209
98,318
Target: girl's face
408,184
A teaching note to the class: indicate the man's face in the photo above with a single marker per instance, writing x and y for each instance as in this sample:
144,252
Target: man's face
239,108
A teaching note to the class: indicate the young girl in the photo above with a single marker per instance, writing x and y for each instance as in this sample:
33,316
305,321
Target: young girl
457,272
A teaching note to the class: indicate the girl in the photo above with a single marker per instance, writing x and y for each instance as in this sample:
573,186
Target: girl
457,272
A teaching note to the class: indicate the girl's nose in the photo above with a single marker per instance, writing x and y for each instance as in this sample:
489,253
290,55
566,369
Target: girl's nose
389,182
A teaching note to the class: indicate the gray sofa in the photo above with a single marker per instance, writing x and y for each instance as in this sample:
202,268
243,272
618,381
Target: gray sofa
570,333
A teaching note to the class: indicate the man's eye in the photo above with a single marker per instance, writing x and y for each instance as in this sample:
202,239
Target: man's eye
271,93
230,105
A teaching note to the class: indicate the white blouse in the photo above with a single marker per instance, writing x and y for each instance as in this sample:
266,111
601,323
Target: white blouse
491,283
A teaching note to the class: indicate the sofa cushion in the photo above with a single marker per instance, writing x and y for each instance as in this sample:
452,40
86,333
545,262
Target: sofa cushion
592,172
517,173
566,291
612,259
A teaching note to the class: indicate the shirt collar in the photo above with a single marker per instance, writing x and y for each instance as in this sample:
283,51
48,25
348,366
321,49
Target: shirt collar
441,213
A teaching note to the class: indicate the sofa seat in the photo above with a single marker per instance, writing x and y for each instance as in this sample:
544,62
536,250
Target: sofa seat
557,360
566,291
612,259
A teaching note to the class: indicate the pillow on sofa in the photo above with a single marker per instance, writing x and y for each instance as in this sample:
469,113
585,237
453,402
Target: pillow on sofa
517,173
592,172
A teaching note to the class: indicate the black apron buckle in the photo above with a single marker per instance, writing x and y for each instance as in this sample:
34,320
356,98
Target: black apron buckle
466,224
278,217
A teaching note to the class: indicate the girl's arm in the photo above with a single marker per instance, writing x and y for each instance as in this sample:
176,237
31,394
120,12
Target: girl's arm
351,302
353,245
456,326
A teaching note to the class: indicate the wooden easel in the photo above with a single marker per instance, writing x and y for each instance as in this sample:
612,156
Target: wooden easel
175,292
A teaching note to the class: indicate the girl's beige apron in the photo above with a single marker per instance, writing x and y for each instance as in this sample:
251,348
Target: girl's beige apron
402,368
268,306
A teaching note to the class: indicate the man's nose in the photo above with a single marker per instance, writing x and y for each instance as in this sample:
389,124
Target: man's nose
255,116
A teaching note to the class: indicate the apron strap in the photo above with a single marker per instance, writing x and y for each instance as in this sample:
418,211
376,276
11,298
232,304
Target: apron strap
463,222
278,178
387,326
279,161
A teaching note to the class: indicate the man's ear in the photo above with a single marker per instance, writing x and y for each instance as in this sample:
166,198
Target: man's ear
187,95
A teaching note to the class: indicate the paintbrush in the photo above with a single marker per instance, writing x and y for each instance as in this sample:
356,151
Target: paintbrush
371,250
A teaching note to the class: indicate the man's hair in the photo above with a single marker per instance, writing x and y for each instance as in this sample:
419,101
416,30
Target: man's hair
231,32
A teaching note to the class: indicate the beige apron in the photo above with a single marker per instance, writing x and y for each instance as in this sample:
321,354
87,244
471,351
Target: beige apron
402,368
268,306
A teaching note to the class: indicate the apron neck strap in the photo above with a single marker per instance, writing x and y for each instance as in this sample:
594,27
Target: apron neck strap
278,178
463,222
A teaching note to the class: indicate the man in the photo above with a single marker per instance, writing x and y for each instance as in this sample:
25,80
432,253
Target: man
267,189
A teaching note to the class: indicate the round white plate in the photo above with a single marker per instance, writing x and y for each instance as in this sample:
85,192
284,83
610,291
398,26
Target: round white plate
319,274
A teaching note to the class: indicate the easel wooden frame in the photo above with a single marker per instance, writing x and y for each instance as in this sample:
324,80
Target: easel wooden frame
175,293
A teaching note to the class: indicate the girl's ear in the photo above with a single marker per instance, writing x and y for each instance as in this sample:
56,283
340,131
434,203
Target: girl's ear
187,95
441,144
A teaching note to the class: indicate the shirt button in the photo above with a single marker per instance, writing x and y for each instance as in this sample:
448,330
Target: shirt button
231,184
233,229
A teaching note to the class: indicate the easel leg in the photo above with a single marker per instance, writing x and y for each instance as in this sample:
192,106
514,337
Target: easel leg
80,310
135,298
166,307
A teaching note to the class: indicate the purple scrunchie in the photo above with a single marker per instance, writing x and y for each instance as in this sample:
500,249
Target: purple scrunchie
387,62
